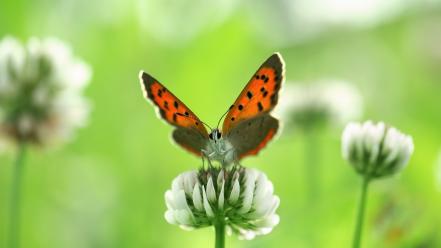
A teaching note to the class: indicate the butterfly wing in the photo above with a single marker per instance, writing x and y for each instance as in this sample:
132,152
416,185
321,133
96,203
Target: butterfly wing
248,125
190,139
251,135
260,95
190,132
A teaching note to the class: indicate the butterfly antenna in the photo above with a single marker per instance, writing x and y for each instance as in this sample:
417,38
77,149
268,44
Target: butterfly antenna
217,126
191,117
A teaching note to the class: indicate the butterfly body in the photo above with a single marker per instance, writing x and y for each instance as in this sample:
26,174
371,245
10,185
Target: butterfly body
218,148
247,127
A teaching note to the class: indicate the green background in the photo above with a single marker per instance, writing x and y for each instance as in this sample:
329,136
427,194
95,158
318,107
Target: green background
106,188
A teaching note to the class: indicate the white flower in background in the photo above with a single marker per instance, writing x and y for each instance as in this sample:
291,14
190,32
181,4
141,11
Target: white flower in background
325,102
376,150
242,198
41,86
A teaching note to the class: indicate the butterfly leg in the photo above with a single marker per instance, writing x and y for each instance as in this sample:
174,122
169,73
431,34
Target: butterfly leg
236,162
203,161
228,156
206,155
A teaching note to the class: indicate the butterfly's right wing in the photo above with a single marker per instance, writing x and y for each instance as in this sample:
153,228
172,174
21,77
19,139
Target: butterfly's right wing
190,133
251,135
190,140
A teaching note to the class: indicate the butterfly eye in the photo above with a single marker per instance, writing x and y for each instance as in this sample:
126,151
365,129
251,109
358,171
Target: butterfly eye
219,135
210,136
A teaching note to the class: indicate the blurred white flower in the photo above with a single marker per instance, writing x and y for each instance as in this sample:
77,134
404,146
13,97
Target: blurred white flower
242,198
325,102
376,150
41,86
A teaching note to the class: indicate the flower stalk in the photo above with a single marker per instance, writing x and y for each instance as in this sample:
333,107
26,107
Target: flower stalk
360,214
15,204
219,228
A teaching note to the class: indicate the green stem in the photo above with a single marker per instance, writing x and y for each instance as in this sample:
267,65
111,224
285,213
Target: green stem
360,214
312,166
220,234
14,221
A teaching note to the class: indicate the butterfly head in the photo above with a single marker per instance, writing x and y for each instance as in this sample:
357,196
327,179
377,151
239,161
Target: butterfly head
215,135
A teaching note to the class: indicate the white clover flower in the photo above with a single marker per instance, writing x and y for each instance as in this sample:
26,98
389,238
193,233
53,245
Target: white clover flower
41,86
376,150
241,198
325,102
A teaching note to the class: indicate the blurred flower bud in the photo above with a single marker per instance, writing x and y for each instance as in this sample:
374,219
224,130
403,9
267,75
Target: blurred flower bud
326,102
242,198
41,86
375,150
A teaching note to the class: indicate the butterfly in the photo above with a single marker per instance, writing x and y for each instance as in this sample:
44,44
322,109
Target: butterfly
247,127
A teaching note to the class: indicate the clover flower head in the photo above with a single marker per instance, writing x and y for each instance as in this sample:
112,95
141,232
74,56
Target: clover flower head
41,86
241,198
375,149
321,103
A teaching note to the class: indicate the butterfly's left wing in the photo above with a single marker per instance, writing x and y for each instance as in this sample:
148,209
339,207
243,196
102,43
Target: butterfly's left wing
248,124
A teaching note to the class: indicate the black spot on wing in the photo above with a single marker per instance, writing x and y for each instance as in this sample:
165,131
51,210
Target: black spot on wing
176,104
240,107
260,106
166,105
249,95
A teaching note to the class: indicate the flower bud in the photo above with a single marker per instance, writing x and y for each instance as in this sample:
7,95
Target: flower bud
327,102
375,150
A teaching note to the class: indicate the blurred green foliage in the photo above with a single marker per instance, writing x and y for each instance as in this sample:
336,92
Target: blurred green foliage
106,188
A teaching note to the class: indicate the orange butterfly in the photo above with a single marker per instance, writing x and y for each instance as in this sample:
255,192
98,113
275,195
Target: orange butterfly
247,127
